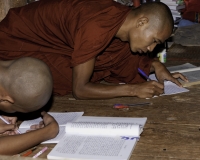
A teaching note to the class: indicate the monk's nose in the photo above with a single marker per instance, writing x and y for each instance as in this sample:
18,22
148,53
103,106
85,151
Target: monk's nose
151,47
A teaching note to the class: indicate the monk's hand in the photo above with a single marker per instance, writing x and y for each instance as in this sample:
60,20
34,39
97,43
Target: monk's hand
51,124
149,89
178,75
163,74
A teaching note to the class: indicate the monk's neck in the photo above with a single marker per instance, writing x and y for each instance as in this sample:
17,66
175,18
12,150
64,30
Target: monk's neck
123,32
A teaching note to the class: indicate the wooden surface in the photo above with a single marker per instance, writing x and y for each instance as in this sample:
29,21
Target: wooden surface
172,130
5,5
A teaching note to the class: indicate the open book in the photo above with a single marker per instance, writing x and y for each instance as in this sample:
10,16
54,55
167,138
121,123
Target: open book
191,71
99,138
62,119
192,74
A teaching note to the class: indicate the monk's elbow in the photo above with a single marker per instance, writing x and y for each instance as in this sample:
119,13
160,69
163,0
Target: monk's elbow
78,94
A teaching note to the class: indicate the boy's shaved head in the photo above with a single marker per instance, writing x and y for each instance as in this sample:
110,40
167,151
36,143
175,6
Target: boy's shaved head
28,82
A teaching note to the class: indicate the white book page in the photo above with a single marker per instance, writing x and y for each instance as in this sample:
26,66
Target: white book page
170,87
138,121
93,147
192,76
60,117
102,129
58,137
181,67
186,70
190,71
187,67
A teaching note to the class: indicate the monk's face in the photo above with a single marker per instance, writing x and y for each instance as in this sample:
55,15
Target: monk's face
145,38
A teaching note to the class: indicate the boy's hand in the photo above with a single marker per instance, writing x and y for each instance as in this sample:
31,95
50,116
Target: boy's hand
48,121
37,126
8,129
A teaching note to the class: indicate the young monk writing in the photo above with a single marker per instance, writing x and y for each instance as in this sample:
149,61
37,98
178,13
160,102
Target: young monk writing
25,86
87,41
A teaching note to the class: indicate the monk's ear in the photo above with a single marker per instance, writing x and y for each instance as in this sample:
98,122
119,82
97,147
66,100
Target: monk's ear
142,21
8,98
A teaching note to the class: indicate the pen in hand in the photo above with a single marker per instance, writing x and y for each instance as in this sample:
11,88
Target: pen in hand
8,123
143,74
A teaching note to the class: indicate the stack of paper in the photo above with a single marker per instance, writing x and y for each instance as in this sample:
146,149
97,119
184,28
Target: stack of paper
175,6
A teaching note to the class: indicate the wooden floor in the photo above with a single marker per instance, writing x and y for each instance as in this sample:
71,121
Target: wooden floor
172,130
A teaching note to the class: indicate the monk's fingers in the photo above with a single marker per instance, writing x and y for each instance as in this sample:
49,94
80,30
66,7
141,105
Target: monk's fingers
41,123
179,75
156,89
174,80
158,92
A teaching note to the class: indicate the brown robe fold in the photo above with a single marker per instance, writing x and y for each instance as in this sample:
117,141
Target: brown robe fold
66,33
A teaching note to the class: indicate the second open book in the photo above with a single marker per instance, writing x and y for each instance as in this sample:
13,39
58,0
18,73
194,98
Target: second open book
190,71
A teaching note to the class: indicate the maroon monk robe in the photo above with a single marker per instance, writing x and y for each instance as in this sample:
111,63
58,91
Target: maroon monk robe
65,33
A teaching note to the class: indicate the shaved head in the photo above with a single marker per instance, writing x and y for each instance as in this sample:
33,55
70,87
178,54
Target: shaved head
146,26
28,82
158,13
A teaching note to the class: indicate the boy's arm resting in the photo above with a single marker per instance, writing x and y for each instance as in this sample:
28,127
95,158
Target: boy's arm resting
84,89
18,143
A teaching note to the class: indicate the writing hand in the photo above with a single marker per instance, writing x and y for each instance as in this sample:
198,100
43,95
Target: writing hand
8,129
148,89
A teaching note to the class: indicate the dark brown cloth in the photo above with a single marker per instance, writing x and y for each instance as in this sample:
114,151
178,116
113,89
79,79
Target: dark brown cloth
65,33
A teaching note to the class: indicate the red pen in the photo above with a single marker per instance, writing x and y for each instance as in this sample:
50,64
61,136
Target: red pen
28,152
121,106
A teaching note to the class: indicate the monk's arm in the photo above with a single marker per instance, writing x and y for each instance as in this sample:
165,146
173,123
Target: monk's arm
18,143
84,89
163,74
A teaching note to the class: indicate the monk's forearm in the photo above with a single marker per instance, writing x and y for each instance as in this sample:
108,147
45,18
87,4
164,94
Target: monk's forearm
155,64
84,89
103,91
